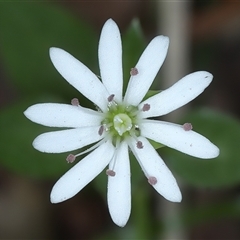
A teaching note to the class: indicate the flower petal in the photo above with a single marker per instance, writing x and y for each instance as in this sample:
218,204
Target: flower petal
148,66
119,188
174,136
110,59
82,173
79,76
153,166
182,92
62,115
66,140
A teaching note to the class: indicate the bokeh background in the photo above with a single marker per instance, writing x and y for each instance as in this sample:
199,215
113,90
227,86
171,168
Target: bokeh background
204,35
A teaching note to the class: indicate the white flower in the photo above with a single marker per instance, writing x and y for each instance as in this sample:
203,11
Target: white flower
119,123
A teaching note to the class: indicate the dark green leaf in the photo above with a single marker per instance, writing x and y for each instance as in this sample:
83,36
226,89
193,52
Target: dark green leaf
151,93
17,152
133,45
28,30
223,131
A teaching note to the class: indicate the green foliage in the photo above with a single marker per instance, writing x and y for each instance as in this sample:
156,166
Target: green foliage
28,30
17,153
223,171
36,27
151,93
133,44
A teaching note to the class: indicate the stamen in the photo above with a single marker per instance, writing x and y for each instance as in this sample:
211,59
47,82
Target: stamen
133,134
133,71
110,98
101,129
75,102
152,180
137,131
112,105
146,107
187,126
139,145
110,173
70,158
91,148
108,126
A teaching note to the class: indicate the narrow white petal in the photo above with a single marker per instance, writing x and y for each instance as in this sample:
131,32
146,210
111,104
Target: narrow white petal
153,166
119,188
182,92
79,76
82,173
174,136
62,115
66,140
110,59
148,66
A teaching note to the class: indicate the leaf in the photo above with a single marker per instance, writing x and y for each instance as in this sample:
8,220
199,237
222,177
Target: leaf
208,213
223,171
17,152
151,93
133,43
28,30
156,145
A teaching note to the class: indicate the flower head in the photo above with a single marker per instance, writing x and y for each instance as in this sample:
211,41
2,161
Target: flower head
120,123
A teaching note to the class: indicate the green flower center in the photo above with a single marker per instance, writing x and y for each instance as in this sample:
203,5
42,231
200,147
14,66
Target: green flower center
120,121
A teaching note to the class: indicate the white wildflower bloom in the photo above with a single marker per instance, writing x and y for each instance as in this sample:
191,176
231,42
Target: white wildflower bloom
120,123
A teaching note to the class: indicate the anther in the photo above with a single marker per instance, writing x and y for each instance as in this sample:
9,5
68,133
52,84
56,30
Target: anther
187,126
101,129
75,102
133,71
110,173
146,107
152,180
70,158
110,98
139,145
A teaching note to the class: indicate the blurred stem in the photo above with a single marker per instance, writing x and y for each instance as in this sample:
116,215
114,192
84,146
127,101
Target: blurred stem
174,18
142,216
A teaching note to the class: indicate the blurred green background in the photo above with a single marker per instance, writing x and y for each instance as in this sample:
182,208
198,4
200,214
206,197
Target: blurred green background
211,201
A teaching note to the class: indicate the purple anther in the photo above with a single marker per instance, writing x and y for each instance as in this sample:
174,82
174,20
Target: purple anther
133,71
139,145
75,102
110,173
146,107
70,158
152,180
187,126
110,98
101,129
